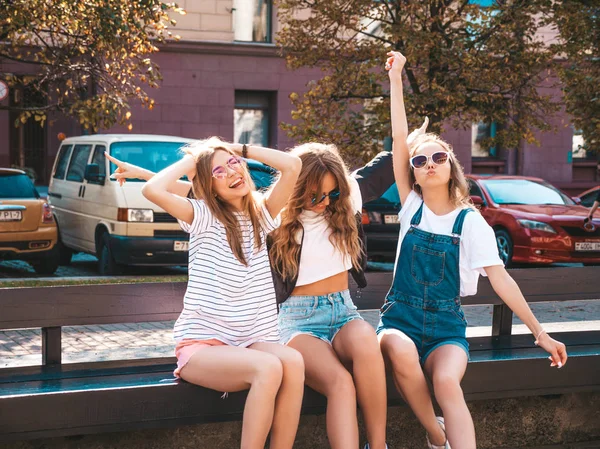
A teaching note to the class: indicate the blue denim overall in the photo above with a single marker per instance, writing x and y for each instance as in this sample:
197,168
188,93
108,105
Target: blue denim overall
424,301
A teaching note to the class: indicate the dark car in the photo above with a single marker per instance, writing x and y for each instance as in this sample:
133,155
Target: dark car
380,222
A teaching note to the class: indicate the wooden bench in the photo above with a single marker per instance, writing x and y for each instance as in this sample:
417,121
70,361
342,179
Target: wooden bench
57,399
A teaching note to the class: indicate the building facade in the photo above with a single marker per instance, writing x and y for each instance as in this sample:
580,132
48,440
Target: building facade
225,77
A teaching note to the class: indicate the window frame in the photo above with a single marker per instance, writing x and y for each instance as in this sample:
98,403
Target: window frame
63,148
89,151
102,166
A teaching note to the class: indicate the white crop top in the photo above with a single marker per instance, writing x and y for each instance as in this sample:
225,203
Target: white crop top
319,258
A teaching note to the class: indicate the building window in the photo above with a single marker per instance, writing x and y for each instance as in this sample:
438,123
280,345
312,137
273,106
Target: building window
479,133
577,148
252,20
252,117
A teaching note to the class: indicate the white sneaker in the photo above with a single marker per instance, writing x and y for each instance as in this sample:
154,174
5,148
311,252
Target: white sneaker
440,421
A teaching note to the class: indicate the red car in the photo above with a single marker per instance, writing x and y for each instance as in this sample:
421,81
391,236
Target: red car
535,222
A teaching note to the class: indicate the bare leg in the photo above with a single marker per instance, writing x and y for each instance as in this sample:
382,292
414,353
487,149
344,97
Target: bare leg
401,355
357,346
446,367
227,368
326,374
289,398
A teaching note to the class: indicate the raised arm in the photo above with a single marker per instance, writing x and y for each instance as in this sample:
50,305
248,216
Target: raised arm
157,189
127,171
394,64
288,166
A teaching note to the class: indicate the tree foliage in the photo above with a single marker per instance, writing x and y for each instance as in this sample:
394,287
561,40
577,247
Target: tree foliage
578,23
465,63
85,58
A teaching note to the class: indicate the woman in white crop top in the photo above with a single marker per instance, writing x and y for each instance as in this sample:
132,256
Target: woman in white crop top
315,246
227,335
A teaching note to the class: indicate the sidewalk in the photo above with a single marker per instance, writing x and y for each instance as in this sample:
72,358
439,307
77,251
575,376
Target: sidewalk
145,340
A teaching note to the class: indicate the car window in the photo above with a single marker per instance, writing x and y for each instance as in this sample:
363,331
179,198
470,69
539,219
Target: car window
100,159
63,159
524,191
588,199
16,186
153,156
474,189
81,154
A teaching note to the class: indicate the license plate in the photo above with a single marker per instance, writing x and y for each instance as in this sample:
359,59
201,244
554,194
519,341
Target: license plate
181,246
11,215
587,246
390,219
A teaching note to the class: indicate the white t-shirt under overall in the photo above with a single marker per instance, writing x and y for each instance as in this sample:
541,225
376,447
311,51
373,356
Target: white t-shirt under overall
225,299
478,248
319,259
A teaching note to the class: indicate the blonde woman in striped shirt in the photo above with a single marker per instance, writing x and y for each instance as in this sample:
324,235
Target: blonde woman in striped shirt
227,335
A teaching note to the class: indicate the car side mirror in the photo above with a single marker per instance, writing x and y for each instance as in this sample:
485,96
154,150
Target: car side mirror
576,199
92,173
477,201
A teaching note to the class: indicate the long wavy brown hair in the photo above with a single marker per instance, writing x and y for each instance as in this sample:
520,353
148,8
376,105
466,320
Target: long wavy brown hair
458,187
317,160
203,188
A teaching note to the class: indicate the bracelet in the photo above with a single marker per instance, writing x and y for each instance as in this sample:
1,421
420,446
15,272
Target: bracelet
245,151
539,335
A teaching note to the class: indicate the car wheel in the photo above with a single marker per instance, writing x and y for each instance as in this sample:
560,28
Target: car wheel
46,266
505,246
107,266
65,255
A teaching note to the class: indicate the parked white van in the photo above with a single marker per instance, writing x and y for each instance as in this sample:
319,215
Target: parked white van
117,224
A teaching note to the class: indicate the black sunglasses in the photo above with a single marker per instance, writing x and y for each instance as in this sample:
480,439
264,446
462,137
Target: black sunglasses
333,195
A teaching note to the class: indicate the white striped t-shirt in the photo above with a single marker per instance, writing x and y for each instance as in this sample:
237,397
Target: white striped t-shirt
225,299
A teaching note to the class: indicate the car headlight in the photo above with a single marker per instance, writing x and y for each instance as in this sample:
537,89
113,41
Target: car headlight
140,215
537,226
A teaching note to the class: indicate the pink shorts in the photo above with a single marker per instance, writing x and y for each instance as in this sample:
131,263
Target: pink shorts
185,349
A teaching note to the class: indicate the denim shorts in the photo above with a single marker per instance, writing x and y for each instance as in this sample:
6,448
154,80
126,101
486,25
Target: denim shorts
319,316
429,325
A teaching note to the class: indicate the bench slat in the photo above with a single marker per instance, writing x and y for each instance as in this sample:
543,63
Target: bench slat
147,302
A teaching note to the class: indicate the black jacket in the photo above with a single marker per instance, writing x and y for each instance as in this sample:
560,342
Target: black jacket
373,180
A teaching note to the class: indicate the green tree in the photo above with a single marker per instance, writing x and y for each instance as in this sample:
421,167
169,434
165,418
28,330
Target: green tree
88,59
465,63
578,23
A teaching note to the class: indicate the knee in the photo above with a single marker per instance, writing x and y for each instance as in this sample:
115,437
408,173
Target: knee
293,366
341,384
364,344
447,389
268,372
404,359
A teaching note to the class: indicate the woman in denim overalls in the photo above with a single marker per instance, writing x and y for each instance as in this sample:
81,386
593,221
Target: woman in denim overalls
422,328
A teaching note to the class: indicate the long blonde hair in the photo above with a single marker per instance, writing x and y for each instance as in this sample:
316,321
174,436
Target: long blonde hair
203,188
317,160
458,187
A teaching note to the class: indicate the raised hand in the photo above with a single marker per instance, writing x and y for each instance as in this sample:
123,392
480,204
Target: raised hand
394,64
126,171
